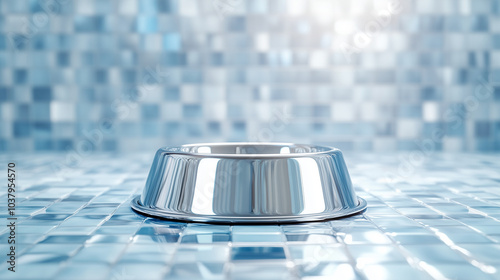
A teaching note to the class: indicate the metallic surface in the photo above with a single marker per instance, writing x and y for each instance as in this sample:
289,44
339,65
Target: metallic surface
248,183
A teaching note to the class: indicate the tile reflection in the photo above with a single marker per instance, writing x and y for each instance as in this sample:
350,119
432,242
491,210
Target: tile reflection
103,240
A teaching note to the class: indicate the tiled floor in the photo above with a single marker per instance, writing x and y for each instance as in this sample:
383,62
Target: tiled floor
430,217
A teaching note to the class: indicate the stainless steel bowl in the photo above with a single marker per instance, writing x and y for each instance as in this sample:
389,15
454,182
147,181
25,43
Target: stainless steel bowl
248,183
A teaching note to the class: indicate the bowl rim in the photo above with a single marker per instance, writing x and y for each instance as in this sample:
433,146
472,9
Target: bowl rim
175,150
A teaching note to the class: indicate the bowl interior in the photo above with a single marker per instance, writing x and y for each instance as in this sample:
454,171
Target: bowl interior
268,149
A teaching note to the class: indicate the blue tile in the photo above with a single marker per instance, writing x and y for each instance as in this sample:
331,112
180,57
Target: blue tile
205,270
321,111
254,253
482,129
41,129
42,94
172,94
192,111
19,41
150,111
172,129
311,238
3,145
496,93
63,144
261,270
432,23
22,129
193,129
216,59
239,130
479,23
257,238
172,42
174,59
38,42
205,238
147,24
148,6
20,76
101,76
409,76
89,23
151,129
235,24
214,128
496,130
410,111
3,42
384,77
192,76
66,239
128,75
5,94
429,130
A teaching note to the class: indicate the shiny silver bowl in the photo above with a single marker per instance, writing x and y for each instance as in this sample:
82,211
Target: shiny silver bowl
248,183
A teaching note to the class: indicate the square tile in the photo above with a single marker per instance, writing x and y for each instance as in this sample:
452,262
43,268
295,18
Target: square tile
257,253
260,270
318,253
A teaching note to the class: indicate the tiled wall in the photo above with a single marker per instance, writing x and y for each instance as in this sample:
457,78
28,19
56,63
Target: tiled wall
131,75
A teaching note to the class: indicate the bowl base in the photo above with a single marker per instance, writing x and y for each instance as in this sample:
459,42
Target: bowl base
218,219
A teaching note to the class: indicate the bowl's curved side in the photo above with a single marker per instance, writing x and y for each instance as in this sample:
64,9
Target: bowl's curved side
181,185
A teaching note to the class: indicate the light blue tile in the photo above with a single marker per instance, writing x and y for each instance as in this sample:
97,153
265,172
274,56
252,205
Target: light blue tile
391,270
327,269
205,238
456,271
172,42
255,237
83,271
315,254
260,270
202,253
256,229
33,273
147,24
434,253
311,238
368,254
204,270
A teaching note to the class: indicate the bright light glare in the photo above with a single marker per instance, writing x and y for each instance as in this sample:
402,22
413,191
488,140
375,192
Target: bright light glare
204,150
312,187
204,189
285,150
322,10
344,26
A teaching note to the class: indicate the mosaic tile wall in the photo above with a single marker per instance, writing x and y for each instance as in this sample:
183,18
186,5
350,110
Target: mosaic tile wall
360,75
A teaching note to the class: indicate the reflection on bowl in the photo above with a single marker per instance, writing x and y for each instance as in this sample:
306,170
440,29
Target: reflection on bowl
248,183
